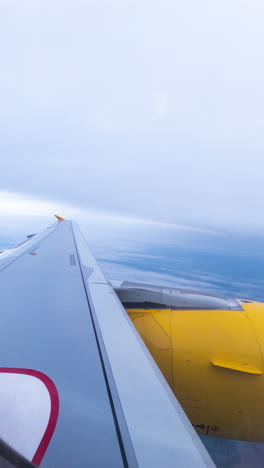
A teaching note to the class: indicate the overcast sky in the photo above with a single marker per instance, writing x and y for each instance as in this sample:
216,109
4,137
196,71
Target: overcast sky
144,121
143,109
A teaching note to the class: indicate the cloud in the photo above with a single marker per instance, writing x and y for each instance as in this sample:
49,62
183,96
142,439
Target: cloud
22,208
161,104
151,252
154,116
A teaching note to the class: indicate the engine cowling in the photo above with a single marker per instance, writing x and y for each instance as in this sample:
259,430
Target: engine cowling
210,349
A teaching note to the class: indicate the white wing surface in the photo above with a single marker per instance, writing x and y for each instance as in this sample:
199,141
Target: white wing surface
78,387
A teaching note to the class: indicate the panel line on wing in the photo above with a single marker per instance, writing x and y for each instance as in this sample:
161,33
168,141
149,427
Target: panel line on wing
31,247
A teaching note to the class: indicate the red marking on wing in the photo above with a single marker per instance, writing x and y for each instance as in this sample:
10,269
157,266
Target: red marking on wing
54,410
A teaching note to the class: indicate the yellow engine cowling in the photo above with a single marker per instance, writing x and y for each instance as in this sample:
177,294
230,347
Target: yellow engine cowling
211,358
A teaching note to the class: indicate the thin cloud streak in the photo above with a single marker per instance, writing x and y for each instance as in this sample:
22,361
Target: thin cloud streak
22,206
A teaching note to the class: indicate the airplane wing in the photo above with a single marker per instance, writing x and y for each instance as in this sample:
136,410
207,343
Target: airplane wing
78,387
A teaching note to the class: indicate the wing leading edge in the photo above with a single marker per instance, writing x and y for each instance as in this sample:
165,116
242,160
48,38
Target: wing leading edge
85,389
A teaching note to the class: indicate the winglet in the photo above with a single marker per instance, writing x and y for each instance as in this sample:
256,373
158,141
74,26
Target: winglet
59,218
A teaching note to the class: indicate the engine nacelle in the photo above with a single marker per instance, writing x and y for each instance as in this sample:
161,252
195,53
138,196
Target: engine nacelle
210,349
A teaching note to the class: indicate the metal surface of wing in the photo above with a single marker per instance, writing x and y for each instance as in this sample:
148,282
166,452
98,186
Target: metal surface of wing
77,385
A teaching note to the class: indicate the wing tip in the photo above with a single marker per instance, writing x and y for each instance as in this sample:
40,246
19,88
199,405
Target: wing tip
59,218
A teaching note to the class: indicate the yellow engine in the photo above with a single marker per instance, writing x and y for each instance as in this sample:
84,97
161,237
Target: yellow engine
210,349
